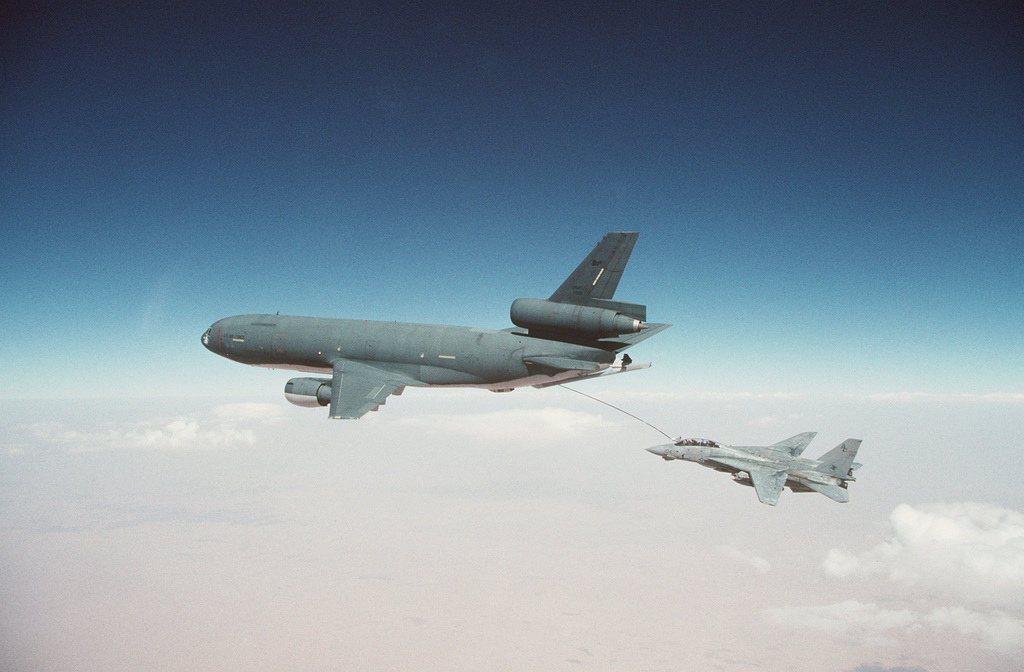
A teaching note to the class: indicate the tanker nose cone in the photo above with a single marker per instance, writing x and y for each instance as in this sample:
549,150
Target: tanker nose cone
211,338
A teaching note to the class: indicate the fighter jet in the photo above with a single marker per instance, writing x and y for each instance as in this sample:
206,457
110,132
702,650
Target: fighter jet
768,469
577,333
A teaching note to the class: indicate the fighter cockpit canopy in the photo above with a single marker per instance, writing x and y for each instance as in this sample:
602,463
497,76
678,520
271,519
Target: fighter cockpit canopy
703,443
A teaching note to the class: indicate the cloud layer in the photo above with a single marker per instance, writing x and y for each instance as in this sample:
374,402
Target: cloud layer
966,551
957,566
225,426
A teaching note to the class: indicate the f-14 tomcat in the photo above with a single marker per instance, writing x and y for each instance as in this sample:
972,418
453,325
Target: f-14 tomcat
577,333
769,469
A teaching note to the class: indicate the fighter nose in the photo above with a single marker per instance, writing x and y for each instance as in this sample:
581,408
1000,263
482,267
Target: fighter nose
657,450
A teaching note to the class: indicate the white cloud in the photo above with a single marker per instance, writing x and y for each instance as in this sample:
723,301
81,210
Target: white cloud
868,624
994,397
997,630
249,412
974,552
865,621
231,425
960,566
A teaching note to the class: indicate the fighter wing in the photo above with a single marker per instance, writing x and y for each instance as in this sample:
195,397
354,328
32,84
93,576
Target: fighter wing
833,492
768,484
357,389
794,445
598,275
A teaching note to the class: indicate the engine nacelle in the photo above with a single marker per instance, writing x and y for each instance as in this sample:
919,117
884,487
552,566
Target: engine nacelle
308,392
569,318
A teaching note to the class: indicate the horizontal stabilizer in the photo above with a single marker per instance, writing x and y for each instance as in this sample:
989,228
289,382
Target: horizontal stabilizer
833,492
629,340
560,363
617,367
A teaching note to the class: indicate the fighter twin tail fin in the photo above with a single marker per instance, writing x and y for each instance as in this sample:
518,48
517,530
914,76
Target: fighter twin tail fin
839,462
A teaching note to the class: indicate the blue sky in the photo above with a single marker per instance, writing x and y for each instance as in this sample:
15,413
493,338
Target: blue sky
831,213
819,191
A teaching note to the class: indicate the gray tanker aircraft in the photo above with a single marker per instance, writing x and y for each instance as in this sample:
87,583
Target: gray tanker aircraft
768,469
576,333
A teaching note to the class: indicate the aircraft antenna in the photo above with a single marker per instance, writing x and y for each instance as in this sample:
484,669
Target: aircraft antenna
600,401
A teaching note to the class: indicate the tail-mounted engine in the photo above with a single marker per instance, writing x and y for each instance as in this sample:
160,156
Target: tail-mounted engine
308,392
568,318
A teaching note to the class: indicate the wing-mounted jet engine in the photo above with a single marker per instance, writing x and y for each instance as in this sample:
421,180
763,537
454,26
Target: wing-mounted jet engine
308,392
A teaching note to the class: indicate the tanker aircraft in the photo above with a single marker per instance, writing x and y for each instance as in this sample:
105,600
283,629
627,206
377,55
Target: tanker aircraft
577,333
768,469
